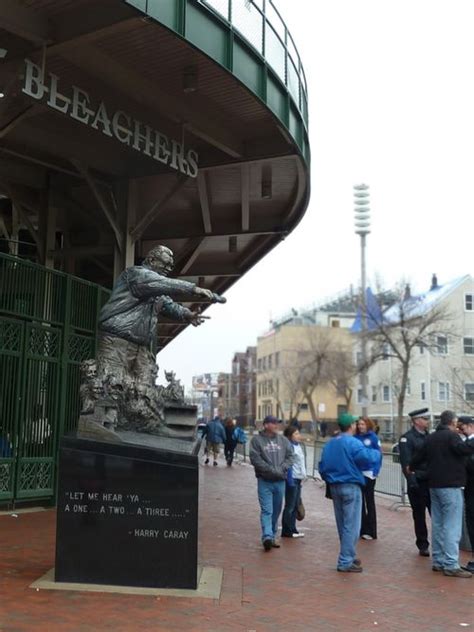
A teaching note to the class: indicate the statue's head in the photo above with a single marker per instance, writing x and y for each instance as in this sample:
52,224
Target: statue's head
88,369
114,387
170,375
160,259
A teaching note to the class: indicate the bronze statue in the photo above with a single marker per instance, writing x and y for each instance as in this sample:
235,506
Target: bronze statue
125,372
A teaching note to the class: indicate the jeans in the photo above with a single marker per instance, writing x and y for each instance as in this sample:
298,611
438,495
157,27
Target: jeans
270,497
446,525
292,498
347,501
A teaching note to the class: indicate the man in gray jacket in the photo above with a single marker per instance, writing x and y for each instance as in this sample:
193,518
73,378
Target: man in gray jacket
271,455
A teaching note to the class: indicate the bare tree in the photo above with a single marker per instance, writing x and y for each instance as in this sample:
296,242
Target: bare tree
290,387
324,359
407,325
342,374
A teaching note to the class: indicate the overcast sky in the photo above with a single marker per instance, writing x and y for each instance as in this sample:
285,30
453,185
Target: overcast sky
391,104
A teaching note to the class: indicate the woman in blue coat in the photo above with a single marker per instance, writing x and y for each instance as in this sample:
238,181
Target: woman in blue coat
365,433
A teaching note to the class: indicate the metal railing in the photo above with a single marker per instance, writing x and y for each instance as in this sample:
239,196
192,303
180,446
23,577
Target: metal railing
260,23
390,480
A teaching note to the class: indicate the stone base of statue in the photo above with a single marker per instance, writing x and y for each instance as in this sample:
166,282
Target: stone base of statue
128,513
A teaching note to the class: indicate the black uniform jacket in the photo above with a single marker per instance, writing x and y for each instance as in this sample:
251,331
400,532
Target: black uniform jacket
410,444
445,453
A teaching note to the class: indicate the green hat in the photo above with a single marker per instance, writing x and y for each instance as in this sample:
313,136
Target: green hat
345,419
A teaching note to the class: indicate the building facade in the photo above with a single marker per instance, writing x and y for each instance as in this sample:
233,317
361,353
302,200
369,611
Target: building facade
282,355
441,370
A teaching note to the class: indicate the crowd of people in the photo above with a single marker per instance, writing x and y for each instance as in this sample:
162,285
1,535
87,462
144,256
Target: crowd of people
438,467
227,433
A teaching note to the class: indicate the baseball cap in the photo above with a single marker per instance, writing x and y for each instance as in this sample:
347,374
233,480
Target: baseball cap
345,419
270,419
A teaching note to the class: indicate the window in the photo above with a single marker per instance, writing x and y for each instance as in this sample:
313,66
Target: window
469,302
303,406
386,393
423,391
264,364
359,395
277,359
374,394
408,388
385,351
441,345
443,392
259,364
259,412
468,344
469,391
270,358
359,359
335,323
421,347
270,387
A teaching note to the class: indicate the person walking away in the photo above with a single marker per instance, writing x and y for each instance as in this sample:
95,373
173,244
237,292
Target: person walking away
466,425
343,460
215,435
417,485
295,477
272,455
230,440
365,432
445,452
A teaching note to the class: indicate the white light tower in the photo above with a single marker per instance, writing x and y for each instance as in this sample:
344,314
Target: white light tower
362,228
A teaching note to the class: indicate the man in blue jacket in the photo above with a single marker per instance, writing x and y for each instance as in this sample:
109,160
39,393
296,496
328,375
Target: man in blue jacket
215,435
342,462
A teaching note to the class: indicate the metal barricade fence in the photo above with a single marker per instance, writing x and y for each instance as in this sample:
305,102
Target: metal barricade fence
390,480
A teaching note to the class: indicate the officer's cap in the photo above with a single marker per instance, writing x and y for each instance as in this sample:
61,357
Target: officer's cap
465,420
420,412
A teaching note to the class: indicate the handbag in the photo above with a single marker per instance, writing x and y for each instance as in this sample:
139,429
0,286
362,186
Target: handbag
300,510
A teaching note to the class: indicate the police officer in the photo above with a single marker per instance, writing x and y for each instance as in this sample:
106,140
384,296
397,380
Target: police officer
417,483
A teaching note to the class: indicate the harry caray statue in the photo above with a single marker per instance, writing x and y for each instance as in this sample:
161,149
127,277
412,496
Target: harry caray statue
128,325
128,321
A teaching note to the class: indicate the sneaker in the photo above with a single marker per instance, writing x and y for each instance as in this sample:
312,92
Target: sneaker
437,569
366,536
287,535
206,462
424,552
357,562
275,545
457,572
215,463
350,569
469,566
267,545
297,535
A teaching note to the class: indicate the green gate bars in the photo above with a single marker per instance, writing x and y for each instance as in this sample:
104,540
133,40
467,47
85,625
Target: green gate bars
48,326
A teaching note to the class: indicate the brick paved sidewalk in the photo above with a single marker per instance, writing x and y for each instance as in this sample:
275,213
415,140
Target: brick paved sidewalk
295,588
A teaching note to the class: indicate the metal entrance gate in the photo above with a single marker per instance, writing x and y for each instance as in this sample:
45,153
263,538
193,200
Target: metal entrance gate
48,326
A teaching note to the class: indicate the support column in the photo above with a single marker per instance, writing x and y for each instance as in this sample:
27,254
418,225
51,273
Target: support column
47,226
126,196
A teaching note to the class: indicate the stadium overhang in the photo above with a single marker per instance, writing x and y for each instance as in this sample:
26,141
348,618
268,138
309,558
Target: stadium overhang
124,124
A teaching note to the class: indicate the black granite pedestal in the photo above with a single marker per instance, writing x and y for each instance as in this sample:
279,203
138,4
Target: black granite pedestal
127,515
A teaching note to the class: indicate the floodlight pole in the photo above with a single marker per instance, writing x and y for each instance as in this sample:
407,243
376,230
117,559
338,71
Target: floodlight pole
362,228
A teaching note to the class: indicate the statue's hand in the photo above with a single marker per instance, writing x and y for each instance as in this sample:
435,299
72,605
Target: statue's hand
203,292
196,318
